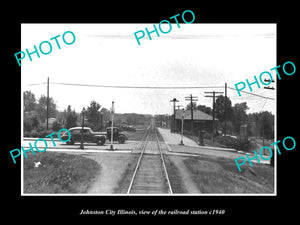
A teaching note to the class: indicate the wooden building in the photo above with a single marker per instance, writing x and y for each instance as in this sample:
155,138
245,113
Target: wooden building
202,121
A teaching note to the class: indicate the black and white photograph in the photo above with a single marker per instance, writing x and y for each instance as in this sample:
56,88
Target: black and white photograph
148,109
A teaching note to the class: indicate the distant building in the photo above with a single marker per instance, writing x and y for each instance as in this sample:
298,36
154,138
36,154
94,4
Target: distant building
202,121
50,120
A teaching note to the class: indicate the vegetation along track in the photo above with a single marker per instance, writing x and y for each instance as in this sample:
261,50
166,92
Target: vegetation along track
150,175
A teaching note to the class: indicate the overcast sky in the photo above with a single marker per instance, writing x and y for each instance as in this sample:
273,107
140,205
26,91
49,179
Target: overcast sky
204,55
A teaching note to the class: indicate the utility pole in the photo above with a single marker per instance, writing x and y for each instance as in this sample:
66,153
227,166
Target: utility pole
101,121
82,129
225,111
112,126
272,159
182,121
174,100
192,99
47,123
213,96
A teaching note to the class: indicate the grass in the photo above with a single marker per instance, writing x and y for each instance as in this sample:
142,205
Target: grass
220,175
58,173
124,182
174,177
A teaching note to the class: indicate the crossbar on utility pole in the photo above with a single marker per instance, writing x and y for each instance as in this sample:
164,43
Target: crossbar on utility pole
268,87
213,96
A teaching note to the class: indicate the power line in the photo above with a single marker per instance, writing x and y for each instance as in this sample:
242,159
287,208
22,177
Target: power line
264,105
140,87
253,94
153,87
35,84
147,87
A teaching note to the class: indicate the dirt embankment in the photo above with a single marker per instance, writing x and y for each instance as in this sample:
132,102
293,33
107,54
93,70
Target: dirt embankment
113,166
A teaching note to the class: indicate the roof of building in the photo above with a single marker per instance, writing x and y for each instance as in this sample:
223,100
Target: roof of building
197,115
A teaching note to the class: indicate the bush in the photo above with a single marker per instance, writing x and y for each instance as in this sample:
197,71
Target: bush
207,135
235,143
41,127
34,133
27,134
39,134
30,121
44,133
56,126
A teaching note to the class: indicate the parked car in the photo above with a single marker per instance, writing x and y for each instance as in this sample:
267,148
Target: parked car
128,128
117,135
88,136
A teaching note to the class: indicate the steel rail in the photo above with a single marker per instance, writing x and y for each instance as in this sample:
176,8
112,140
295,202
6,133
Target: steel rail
140,158
163,161
143,147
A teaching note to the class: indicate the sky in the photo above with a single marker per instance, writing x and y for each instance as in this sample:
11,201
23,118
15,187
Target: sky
194,55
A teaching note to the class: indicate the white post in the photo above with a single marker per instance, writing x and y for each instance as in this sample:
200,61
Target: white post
112,126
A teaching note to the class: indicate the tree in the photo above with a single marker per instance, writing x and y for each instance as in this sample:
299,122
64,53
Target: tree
220,108
188,106
240,115
204,108
41,108
267,123
105,117
71,118
93,115
30,121
29,101
262,124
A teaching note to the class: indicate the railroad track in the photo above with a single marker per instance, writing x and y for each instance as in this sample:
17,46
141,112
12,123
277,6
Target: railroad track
150,175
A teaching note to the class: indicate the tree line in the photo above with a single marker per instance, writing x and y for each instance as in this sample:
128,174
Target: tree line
95,116
259,124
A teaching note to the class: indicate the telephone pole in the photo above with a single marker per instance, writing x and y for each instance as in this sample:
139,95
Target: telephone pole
272,159
112,110
182,121
47,123
213,96
174,100
225,111
192,99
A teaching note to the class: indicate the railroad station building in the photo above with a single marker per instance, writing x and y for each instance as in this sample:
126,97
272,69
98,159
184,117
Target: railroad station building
202,121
